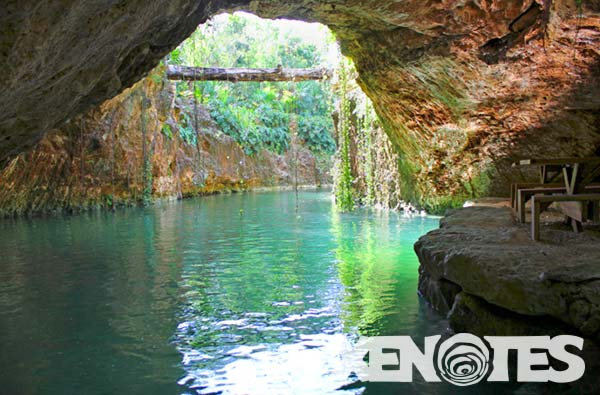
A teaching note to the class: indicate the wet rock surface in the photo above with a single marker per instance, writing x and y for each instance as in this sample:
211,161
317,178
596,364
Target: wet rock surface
482,272
482,251
463,87
472,314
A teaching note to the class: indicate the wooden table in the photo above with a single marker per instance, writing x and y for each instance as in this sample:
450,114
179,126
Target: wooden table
577,174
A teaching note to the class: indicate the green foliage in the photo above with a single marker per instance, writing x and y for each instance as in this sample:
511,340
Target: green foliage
108,200
367,126
344,198
407,179
166,130
186,129
156,78
258,115
260,122
314,131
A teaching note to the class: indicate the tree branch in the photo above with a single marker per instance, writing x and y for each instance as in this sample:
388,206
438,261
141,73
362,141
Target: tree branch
243,74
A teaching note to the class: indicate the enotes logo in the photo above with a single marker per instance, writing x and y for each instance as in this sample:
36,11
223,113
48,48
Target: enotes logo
465,359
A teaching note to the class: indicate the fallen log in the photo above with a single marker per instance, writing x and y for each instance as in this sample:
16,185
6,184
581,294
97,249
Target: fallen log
187,73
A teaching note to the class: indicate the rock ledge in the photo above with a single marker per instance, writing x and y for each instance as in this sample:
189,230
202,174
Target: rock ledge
481,252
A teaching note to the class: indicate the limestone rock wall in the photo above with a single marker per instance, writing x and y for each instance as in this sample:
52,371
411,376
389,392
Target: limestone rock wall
374,165
122,153
462,87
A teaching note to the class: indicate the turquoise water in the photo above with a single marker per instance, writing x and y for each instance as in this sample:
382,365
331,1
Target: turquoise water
232,294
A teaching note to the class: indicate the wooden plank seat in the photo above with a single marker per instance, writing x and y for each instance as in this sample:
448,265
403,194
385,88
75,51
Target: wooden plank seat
528,185
524,194
575,212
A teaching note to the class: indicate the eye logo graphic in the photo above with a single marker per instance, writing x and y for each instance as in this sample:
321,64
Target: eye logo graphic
463,360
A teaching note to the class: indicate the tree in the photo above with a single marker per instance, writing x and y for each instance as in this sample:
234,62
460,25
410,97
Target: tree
257,115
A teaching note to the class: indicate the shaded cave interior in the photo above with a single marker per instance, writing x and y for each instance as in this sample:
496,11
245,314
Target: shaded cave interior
503,80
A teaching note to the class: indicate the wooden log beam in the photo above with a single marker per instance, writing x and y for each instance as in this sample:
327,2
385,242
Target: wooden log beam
187,73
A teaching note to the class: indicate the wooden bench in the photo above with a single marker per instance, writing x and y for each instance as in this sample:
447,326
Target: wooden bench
575,212
524,194
578,174
528,185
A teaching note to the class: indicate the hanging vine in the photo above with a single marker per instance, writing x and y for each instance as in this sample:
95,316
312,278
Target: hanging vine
367,128
344,194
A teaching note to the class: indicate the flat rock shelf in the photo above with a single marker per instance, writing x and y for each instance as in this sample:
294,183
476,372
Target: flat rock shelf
484,273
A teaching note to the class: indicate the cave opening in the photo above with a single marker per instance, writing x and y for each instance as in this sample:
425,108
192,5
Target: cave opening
282,86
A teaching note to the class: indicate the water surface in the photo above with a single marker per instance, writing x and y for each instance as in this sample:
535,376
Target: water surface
232,294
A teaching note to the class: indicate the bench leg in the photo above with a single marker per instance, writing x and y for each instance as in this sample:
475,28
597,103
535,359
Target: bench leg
596,211
535,220
513,196
521,206
577,226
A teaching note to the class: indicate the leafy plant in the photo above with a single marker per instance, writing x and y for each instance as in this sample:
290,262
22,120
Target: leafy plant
186,129
258,115
344,198
108,200
166,130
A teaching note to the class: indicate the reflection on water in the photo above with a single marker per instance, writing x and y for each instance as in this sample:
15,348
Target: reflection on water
238,294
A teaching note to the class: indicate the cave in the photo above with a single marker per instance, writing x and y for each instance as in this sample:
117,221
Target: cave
419,62
463,91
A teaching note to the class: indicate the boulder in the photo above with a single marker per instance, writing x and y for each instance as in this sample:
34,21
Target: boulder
472,314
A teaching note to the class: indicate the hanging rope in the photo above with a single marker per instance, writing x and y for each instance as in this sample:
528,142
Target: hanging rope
204,171
294,130
144,147
112,156
199,166
81,152
196,119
